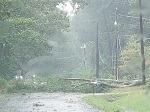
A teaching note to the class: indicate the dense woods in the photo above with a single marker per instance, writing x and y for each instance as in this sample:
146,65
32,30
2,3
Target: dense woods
39,36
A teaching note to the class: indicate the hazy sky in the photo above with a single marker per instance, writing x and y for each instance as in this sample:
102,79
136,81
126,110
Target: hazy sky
67,7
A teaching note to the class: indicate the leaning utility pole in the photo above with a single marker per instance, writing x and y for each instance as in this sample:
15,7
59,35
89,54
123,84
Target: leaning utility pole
142,44
116,46
97,54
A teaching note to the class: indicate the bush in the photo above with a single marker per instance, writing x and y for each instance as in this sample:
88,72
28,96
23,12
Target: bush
18,86
53,84
3,83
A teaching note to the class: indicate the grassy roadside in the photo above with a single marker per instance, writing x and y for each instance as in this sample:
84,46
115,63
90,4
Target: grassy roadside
135,100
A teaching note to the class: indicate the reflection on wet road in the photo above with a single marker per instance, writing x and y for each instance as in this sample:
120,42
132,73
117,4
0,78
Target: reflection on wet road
44,102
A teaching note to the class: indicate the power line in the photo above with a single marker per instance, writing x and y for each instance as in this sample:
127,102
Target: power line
132,17
132,25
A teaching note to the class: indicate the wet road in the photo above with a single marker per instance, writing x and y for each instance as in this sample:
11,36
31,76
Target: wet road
44,102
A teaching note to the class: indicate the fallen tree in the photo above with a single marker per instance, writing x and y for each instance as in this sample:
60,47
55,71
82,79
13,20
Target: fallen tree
109,82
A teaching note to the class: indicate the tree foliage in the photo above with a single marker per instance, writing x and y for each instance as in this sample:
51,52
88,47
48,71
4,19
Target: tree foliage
5,9
25,28
31,29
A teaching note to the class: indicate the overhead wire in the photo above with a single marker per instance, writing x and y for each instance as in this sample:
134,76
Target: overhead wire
128,16
120,15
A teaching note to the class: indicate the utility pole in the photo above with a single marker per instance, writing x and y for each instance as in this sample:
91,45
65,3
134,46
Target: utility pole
142,43
84,47
116,45
97,54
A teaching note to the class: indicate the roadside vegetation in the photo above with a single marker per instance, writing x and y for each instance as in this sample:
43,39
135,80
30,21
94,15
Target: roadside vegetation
48,84
132,99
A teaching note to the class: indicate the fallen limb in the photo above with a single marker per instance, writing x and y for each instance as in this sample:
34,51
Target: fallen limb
75,79
109,82
81,79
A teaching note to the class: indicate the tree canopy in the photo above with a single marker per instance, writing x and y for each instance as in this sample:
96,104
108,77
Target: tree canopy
36,34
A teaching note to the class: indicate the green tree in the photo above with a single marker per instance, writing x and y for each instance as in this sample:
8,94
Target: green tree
84,26
5,9
20,38
130,59
27,26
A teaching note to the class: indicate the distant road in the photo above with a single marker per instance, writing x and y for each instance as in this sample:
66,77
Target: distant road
45,102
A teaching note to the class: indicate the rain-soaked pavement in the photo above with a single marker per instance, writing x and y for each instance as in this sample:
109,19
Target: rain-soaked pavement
44,102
